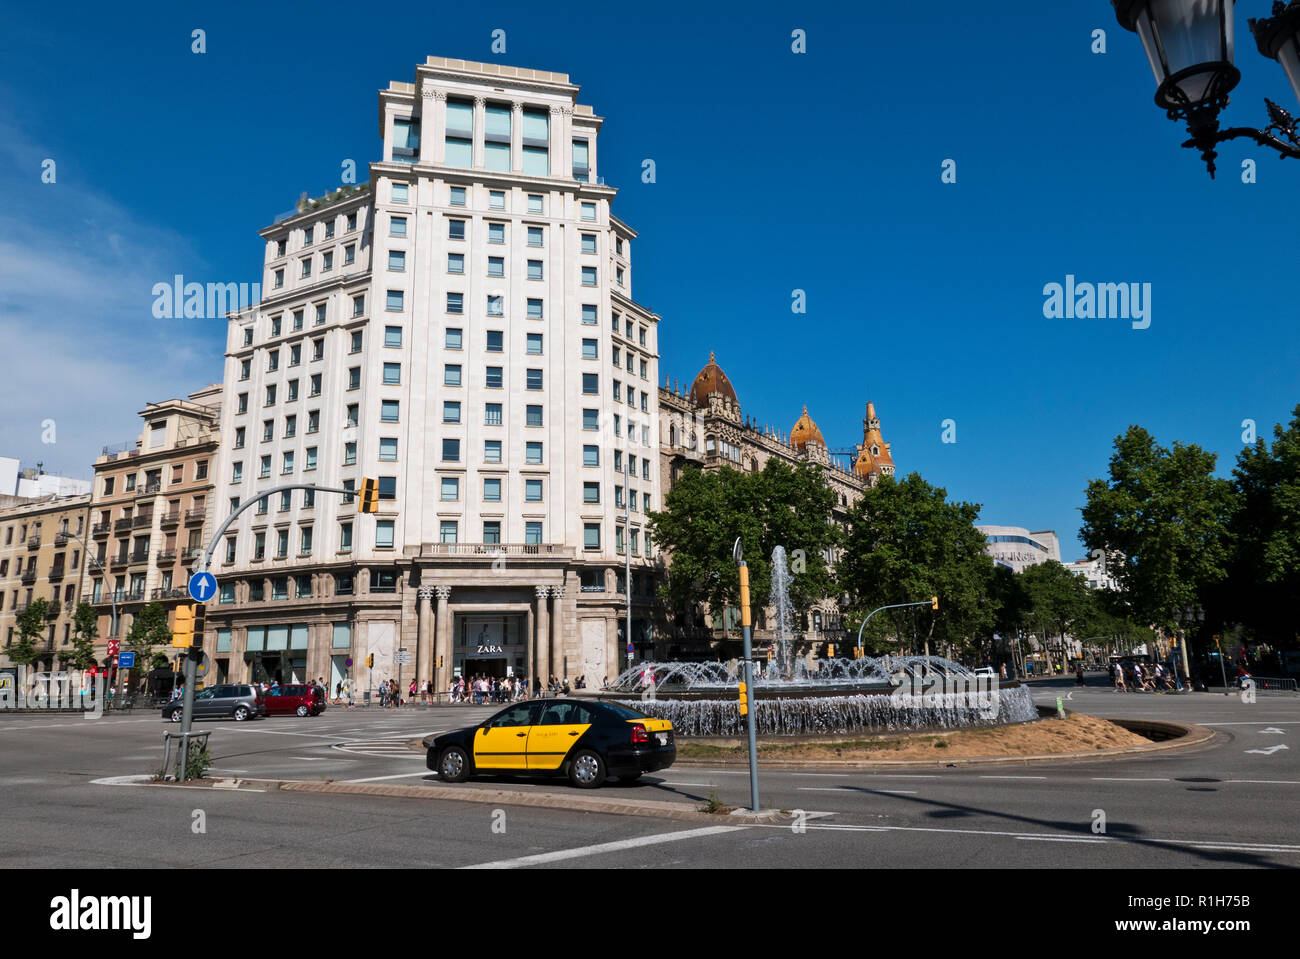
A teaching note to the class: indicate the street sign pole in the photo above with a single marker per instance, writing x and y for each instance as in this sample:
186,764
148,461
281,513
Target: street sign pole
749,675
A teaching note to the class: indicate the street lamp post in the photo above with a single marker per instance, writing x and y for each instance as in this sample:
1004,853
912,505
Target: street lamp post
1189,46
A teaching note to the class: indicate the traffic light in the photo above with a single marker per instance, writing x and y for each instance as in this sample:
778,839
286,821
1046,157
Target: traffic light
200,624
769,654
370,495
830,650
744,699
857,652
370,661
934,602
183,627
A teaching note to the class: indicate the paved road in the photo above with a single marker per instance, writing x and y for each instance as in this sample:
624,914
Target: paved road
1233,802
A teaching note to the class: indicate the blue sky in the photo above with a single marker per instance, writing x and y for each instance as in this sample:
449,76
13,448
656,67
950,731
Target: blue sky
775,172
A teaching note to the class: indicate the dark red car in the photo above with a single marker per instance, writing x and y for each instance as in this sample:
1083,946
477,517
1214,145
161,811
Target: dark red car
300,699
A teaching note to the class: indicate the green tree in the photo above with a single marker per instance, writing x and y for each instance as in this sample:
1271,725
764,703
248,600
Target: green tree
906,543
31,627
1059,600
777,506
148,630
1161,519
1264,578
85,632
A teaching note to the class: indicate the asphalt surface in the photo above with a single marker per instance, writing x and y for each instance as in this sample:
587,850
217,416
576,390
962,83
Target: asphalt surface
1232,802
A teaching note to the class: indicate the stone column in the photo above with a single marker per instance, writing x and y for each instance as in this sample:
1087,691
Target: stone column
433,126
480,128
517,137
543,644
442,640
424,656
557,632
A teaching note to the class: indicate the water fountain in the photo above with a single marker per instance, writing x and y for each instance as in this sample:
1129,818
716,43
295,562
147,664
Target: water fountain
831,696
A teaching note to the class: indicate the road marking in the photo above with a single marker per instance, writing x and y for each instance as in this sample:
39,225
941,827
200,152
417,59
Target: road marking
1267,782
375,779
318,759
604,847
1114,779
1013,777
1057,839
1268,752
827,775
858,789
665,782
1274,729
1276,722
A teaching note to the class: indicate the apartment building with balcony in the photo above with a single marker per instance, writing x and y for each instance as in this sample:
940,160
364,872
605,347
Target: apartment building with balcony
40,558
151,508
461,327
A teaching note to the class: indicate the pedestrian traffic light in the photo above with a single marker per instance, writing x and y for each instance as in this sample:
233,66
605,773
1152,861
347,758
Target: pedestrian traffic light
744,699
183,626
934,602
830,650
370,661
370,495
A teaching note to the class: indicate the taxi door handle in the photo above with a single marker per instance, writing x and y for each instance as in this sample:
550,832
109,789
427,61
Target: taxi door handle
521,734
573,734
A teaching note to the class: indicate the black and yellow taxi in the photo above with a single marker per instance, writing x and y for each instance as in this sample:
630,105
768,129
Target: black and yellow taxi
586,740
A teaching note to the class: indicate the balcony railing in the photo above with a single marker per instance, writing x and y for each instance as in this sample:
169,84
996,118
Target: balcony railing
29,577
167,557
175,592
495,549
53,609
100,529
195,515
171,518
150,488
34,542
123,523
21,608
140,556
144,519
117,562
56,573
191,552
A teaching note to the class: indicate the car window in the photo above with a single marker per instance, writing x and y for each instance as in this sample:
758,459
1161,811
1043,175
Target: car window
516,716
565,714
205,694
624,712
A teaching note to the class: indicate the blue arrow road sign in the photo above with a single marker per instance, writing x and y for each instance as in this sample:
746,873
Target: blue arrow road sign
203,586
126,660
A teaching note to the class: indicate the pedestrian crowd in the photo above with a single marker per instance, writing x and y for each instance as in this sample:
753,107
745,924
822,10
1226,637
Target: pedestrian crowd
1137,677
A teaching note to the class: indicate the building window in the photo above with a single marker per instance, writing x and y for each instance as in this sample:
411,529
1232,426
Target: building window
589,211
495,341
535,238
496,266
588,243
447,531
535,270
533,453
388,411
491,451
318,349
353,414
455,262
591,384
384,535
589,314
280,587
591,536
349,254
459,142
591,492
350,454
455,229
451,375
496,305
534,416
401,191
494,378
450,488
388,449
496,200
492,490
392,373
457,196
591,419
451,411
304,549
536,142
591,456
456,303
492,414
492,532
534,308
533,533
534,346
397,226
345,537
589,349
313,421
453,339
406,148
286,465
394,301
397,261
588,276
281,547
359,305
451,451
496,137
496,233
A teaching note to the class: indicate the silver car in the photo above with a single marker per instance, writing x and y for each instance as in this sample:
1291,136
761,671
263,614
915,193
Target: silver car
239,701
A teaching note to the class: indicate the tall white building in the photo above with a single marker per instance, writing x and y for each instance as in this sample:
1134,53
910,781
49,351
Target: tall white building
1020,548
462,328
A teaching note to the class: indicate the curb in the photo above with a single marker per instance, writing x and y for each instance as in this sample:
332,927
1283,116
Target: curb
511,797
1188,735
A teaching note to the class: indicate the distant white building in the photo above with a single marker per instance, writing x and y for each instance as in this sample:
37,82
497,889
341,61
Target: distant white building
33,483
1019,548
1095,571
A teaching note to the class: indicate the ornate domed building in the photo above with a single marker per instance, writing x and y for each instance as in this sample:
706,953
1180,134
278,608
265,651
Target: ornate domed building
704,425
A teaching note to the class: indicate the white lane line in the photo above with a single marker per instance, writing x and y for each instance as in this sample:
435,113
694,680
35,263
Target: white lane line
1267,782
857,789
1114,779
667,783
1013,777
375,779
214,769
1057,839
276,732
320,759
825,775
605,847
1271,722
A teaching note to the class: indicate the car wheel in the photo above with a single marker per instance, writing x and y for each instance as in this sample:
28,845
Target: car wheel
175,715
241,713
586,769
453,765
303,710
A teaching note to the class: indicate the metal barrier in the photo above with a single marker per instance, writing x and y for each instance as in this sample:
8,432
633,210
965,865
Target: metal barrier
1264,686
183,752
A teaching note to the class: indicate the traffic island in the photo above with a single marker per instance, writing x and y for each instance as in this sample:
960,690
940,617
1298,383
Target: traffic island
1077,736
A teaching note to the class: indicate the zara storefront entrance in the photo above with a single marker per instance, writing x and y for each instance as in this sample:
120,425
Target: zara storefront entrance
489,644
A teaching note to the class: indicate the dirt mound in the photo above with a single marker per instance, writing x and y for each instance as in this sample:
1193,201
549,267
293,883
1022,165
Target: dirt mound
1075,733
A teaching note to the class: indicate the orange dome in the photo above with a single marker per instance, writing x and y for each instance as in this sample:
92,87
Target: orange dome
805,431
711,380
874,456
